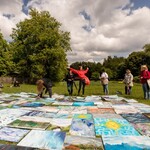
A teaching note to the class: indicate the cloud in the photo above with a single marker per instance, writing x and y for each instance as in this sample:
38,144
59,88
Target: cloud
98,29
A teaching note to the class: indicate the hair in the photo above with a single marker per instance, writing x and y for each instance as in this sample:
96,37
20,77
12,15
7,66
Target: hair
128,70
144,67
40,85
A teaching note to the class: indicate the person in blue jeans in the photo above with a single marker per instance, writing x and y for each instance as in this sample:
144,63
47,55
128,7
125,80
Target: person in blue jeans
104,81
144,76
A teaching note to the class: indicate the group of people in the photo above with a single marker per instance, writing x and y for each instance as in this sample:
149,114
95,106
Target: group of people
144,79
104,79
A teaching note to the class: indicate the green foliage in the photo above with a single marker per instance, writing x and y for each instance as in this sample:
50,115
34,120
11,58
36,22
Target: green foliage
6,64
95,76
40,47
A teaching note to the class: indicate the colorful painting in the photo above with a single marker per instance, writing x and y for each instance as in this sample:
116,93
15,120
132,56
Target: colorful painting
126,142
12,134
14,147
83,104
101,110
125,109
44,140
83,143
82,125
28,124
64,126
107,116
32,104
143,128
136,118
112,127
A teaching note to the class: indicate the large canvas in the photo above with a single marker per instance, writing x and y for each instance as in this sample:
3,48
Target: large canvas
12,134
28,124
82,125
60,125
83,104
136,118
14,147
44,140
83,143
112,127
125,109
107,116
143,128
101,110
126,142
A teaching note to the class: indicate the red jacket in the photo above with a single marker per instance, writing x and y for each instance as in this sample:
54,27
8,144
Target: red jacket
145,74
81,74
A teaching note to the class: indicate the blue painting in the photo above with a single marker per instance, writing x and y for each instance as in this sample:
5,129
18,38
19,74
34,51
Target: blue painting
136,118
126,142
33,104
109,127
82,125
44,140
83,104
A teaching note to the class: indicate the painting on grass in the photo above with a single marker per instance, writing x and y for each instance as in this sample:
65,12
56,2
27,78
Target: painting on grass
12,134
125,109
126,142
32,104
14,147
60,125
112,127
143,128
29,124
83,104
101,110
82,125
44,140
136,118
79,142
107,116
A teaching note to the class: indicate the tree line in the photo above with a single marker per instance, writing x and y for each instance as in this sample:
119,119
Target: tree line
39,49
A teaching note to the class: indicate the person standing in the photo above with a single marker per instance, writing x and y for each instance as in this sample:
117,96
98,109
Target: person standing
104,81
70,80
83,79
128,81
144,76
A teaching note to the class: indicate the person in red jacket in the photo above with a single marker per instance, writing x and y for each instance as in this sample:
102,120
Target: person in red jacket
144,76
84,80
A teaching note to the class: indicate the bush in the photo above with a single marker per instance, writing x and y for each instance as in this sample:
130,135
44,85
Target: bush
136,79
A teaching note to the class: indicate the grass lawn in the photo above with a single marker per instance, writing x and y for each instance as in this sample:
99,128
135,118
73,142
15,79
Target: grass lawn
95,88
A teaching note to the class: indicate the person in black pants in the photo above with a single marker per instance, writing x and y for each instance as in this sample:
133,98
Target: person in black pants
44,84
70,80
81,85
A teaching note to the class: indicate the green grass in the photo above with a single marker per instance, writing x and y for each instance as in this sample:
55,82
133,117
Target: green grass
95,88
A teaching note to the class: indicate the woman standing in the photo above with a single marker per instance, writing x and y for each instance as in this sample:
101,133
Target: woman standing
104,82
128,81
144,76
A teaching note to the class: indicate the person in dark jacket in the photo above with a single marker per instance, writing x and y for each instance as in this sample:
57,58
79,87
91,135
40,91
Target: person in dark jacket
70,80
44,84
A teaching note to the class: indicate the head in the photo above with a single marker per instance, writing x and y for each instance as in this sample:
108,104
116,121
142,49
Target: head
80,67
40,85
128,71
144,67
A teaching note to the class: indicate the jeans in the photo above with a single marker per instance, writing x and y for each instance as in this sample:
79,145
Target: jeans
146,91
70,87
105,89
81,85
128,90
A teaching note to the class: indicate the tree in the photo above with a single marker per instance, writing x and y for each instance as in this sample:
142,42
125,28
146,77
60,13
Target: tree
40,47
6,64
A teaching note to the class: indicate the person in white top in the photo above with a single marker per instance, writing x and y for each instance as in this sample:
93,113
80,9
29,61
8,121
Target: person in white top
104,81
128,81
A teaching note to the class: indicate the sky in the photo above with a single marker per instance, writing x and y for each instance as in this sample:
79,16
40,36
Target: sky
98,28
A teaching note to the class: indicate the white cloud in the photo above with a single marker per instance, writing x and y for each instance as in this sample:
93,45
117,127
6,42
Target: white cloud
113,30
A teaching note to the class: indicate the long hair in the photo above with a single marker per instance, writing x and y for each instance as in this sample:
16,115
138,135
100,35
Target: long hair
40,86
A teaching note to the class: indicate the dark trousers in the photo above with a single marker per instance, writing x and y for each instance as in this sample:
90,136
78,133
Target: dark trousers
128,90
81,85
70,87
49,90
